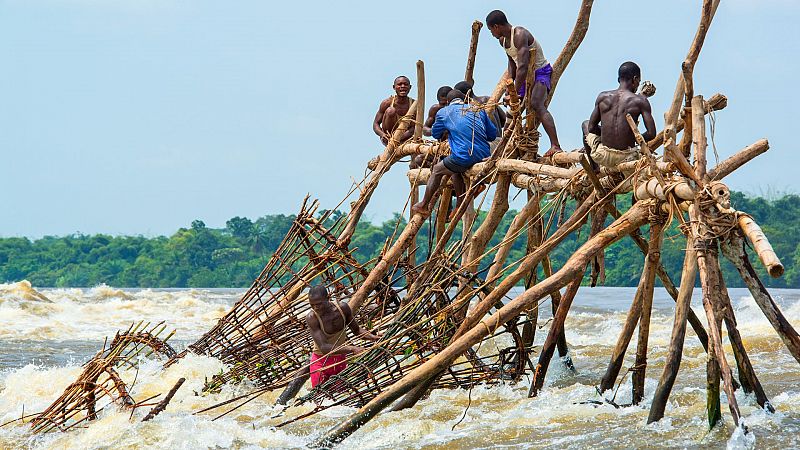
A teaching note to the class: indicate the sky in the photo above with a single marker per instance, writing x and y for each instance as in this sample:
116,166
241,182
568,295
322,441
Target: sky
139,116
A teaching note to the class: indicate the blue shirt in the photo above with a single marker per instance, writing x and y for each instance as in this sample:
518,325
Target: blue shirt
469,133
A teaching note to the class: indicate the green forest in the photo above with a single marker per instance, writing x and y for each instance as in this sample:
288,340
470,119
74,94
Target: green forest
233,256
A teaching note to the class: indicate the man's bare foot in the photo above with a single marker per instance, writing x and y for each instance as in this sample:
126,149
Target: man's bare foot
553,150
419,208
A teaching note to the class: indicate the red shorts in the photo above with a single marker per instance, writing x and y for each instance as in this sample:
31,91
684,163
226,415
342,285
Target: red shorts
324,367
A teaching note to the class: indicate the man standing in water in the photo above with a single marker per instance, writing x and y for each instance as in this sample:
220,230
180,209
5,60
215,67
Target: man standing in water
517,42
328,322
392,109
614,142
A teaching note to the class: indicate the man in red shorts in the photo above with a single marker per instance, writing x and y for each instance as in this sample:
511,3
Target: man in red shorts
328,322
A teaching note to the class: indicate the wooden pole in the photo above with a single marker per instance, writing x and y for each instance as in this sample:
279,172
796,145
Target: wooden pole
761,245
733,249
553,336
673,360
646,284
473,50
738,159
699,137
420,120
640,366
385,162
747,375
632,219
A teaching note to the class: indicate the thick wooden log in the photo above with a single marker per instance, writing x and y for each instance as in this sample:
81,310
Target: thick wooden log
713,375
673,360
645,288
440,224
653,189
708,266
738,159
631,220
473,50
539,185
532,168
477,245
734,251
389,260
575,221
553,336
761,245
385,163
747,375
669,286
699,137
420,120
640,366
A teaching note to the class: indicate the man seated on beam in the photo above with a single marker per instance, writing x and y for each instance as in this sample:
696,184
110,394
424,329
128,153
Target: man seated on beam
328,322
608,138
517,42
498,116
391,110
468,133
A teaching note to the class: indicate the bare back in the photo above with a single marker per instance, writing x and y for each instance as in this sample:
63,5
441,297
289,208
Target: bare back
611,108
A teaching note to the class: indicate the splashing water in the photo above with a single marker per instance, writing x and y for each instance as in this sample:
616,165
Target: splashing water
45,337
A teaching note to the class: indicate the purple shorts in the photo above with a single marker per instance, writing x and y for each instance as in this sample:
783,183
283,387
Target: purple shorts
542,75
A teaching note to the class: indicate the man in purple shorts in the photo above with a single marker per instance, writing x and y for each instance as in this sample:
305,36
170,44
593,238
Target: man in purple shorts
517,42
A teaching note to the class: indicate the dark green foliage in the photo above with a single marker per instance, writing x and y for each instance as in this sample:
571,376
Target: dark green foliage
233,256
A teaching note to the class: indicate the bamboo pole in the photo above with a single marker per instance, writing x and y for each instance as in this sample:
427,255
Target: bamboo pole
640,366
630,221
761,245
733,249
673,360
553,336
473,50
420,120
699,137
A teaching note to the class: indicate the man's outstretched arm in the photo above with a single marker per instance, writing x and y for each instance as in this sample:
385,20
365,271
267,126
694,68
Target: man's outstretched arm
355,327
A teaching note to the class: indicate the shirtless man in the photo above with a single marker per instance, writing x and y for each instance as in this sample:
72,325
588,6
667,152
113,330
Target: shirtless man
517,42
392,109
328,322
614,143
441,98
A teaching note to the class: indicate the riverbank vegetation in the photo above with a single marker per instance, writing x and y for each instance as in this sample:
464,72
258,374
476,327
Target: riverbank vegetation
199,256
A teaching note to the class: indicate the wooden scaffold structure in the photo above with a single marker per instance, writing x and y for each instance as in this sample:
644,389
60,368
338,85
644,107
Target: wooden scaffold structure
435,314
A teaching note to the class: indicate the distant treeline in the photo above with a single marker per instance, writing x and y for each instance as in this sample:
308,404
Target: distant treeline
233,256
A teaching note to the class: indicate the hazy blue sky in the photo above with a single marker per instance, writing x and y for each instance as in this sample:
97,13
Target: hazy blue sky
138,116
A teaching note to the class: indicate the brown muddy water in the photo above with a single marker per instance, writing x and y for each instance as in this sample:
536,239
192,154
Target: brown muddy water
45,338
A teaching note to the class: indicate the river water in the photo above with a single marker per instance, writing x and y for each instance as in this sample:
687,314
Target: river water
46,334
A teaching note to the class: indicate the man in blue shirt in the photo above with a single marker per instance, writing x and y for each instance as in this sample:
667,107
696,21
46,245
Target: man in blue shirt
468,133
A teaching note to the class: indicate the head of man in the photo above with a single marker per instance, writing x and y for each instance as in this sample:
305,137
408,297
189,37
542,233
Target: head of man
441,94
629,76
402,86
318,297
455,94
465,87
498,24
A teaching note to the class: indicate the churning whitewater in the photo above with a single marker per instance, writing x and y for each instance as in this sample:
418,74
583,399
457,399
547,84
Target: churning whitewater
47,334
